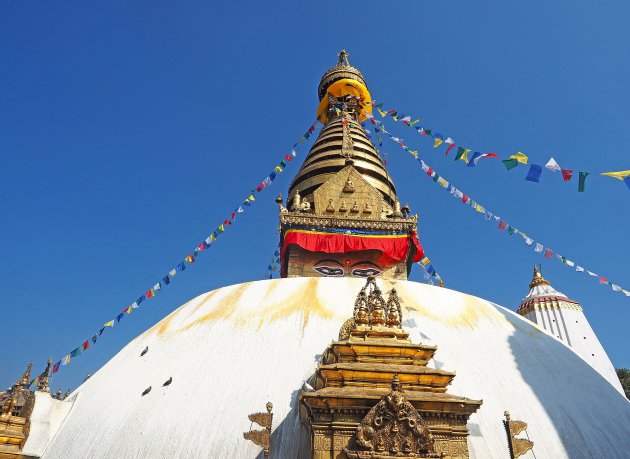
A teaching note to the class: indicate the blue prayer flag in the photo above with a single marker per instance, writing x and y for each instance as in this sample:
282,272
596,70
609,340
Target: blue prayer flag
471,161
534,173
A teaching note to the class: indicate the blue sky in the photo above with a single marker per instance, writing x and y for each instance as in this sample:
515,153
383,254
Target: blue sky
130,130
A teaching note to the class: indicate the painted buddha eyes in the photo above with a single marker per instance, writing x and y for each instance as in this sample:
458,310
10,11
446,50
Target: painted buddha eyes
332,268
365,272
329,271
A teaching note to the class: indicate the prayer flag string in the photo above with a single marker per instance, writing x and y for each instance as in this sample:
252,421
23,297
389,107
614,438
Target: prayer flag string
188,259
503,225
535,170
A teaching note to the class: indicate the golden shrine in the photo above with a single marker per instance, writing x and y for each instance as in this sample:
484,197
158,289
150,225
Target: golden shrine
357,407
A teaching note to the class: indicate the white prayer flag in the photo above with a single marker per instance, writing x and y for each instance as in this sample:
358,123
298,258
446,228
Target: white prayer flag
616,288
172,272
552,165
591,274
157,286
570,263
579,269
539,248
449,141
529,241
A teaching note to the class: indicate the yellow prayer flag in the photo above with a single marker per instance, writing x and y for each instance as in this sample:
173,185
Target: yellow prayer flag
383,114
619,175
437,142
520,157
251,197
415,153
465,155
278,169
109,324
425,261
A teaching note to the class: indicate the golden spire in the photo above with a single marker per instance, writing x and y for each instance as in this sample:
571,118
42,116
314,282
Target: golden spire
43,386
25,380
538,279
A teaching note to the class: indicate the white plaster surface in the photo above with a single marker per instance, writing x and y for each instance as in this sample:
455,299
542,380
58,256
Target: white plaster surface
46,418
232,350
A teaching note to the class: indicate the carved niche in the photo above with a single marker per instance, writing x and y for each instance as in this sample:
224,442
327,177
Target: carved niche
393,428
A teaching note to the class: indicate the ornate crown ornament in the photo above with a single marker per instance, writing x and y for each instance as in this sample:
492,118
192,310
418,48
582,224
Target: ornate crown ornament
343,69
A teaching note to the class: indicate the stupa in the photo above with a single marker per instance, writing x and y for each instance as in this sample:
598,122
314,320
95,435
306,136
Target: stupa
342,357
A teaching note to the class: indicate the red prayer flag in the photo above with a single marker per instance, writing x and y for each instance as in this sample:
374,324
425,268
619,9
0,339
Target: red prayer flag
548,253
502,225
288,158
465,199
227,222
429,172
602,280
150,294
55,367
450,147
86,345
567,174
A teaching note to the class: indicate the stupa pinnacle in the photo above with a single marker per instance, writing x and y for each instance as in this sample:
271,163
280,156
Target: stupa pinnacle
343,216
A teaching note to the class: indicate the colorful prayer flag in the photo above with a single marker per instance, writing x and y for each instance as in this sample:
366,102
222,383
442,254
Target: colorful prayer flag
619,175
55,367
66,360
86,345
534,173
548,254
582,181
109,324
76,352
567,174
552,165
473,159
502,225
450,147
510,163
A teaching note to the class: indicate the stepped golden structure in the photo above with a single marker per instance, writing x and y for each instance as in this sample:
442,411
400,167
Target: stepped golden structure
358,408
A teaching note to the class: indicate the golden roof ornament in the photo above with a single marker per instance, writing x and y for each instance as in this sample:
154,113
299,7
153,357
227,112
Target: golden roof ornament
538,279
517,446
43,384
342,69
261,437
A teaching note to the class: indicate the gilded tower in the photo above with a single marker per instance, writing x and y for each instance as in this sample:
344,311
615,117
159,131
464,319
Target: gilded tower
343,217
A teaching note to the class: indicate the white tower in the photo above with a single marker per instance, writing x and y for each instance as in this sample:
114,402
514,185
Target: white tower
564,318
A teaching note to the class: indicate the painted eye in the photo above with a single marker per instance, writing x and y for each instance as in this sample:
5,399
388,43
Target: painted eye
365,272
328,271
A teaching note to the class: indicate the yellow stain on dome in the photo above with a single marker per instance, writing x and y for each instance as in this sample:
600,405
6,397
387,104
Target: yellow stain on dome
468,311
306,302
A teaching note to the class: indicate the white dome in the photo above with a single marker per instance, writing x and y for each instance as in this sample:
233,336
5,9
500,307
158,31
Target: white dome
232,350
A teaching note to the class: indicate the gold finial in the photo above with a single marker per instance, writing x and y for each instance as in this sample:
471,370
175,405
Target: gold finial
25,380
42,385
441,283
538,279
343,59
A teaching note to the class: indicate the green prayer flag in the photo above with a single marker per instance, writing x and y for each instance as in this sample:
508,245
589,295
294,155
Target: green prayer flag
436,177
510,163
283,164
460,153
582,181
428,132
